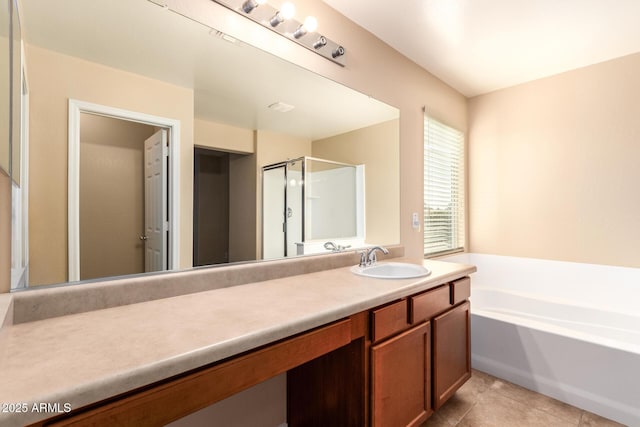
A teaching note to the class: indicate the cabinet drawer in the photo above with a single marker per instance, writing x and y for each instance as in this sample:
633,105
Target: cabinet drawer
460,290
429,304
389,320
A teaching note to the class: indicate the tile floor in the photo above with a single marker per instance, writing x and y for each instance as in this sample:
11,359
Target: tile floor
486,401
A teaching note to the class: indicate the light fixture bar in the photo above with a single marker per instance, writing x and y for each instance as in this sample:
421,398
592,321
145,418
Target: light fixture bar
282,22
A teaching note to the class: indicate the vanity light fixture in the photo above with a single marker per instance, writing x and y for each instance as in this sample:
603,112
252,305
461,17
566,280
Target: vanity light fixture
249,5
321,42
286,12
281,20
337,52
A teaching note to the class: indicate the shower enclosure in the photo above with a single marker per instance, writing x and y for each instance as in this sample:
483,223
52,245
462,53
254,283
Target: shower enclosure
307,202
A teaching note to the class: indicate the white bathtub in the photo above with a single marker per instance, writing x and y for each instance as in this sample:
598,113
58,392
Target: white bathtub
567,330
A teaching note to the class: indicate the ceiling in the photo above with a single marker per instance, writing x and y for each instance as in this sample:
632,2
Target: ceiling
478,46
233,83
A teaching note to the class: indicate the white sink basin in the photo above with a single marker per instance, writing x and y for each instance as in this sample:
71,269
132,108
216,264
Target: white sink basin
391,270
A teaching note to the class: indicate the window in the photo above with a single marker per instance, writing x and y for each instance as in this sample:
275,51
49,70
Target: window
444,222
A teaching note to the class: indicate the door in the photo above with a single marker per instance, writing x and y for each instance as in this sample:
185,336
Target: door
156,223
294,214
451,352
273,212
401,379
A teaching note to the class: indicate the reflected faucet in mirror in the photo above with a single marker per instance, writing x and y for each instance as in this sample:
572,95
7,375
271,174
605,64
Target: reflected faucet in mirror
333,247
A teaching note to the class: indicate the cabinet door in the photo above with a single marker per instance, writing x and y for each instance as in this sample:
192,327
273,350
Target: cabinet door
401,379
451,352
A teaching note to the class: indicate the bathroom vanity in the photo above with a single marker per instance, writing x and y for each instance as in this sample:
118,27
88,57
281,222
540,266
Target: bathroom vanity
405,359
356,350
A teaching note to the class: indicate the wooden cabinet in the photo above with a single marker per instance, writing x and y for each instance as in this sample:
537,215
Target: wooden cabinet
451,352
421,347
401,378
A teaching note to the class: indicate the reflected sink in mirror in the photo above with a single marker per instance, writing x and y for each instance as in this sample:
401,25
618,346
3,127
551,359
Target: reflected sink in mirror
391,270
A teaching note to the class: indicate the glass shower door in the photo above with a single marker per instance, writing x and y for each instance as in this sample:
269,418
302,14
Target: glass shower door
295,208
273,212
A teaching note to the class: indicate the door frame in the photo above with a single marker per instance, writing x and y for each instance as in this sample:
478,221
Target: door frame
77,107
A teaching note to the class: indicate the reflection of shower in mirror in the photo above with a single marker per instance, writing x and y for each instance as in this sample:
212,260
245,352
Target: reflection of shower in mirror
308,201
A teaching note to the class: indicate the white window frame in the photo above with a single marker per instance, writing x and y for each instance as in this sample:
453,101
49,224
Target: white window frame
444,189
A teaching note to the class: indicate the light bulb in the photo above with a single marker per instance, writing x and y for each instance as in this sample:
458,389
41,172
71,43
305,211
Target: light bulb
249,5
310,24
287,10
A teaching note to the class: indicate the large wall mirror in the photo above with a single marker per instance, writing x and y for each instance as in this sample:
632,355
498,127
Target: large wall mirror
170,125
5,85
16,94
10,89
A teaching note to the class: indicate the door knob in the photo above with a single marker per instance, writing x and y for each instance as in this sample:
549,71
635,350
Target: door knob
144,238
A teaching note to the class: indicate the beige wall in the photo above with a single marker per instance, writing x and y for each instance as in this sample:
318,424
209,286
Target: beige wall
372,67
374,146
223,137
274,147
53,79
5,233
554,167
111,196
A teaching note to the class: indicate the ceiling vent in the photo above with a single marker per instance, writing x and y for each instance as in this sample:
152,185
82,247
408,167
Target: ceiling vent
281,107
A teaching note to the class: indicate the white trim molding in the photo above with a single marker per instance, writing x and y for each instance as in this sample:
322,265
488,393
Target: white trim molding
77,107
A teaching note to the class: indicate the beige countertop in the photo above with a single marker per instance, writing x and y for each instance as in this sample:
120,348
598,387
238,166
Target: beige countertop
83,358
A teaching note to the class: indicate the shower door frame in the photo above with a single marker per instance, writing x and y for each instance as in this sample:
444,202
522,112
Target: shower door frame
285,226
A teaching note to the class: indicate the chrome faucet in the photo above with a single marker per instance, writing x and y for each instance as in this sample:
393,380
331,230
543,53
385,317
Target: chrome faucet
335,248
368,256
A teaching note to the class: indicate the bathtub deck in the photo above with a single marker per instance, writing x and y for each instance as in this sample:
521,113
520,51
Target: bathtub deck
486,401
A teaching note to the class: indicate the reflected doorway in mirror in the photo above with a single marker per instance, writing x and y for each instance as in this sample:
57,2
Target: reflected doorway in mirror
161,221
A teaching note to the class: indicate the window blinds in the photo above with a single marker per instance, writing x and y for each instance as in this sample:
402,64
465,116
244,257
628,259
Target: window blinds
444,223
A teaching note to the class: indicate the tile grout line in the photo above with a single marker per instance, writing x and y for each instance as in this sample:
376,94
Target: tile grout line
536,408
498,391
475,402
466,413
